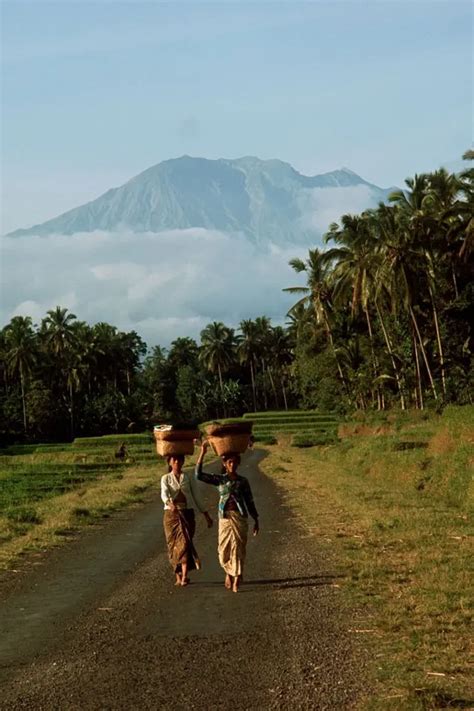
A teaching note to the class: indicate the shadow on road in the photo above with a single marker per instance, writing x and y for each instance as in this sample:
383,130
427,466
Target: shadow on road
306,581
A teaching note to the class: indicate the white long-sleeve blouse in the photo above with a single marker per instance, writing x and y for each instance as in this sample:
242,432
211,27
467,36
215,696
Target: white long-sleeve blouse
170,488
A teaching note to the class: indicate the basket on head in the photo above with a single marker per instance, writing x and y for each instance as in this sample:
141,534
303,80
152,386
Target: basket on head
167,433
221,429
173,440
230,443
229,437
168,449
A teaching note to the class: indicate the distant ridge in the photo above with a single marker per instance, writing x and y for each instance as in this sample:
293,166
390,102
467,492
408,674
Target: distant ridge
266,200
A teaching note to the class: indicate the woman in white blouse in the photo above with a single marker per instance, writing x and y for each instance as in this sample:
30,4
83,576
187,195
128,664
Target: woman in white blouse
180,494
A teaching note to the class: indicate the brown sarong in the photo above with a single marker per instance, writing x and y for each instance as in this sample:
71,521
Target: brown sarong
232,542
180,526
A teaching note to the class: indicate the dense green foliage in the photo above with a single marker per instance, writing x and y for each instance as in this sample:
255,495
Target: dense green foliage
384,320
386,316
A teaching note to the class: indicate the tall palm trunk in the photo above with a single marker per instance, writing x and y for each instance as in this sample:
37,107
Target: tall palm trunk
219,371
438,338
331,341
272,383
375,363
455,281
284,392
418,387
392,358
71,409
265,399
23,401
252,378
423,353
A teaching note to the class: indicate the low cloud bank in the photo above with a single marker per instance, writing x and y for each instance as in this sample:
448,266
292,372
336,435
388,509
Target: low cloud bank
321,206
161,285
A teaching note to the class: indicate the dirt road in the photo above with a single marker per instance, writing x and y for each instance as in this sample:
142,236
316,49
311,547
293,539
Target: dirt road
98,624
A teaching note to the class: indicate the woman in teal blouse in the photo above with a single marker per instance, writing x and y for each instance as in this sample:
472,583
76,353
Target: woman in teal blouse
235,504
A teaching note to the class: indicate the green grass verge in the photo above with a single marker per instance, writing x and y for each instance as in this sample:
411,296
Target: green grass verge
397,522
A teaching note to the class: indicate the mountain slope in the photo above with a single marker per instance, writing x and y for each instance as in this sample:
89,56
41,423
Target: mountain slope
265,200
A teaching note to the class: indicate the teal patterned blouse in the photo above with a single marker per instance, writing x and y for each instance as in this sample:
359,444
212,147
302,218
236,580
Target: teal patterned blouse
239,489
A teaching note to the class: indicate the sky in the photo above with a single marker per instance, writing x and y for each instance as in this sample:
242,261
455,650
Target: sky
95,92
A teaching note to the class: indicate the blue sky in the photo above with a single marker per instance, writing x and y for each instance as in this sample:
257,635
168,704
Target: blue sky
95,92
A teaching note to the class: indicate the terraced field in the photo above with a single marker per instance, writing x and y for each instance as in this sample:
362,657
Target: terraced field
306,427
32,477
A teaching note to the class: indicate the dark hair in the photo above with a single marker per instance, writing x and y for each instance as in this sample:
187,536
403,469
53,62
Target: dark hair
231,455
179,457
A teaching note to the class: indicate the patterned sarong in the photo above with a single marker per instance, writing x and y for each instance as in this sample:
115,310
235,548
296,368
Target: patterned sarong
232,542
179,528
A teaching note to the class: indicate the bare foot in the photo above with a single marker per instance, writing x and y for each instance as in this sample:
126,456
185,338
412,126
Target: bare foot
235,587
184,582
228,581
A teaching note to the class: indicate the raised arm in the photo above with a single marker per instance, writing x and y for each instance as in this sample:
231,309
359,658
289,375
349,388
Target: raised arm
213,479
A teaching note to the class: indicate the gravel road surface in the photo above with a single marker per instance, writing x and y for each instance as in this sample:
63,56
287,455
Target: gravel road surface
98,624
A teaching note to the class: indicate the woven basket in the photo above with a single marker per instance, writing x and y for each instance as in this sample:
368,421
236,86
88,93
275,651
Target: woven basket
218,429
167,449
176,435
229,443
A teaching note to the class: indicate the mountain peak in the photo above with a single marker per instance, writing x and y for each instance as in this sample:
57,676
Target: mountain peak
266,200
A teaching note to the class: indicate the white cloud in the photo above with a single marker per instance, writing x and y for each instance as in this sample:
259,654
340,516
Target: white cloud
321,206
162,285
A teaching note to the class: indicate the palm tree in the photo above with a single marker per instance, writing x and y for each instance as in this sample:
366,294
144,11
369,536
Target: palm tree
460,222
131,349
247,350
217,350
418,226
263,329
299,323
398,274
355,268
318,294
183,351
59,330
280,348
60,336
107,349
21,353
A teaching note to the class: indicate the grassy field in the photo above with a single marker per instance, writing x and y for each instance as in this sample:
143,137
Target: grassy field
390,504
388,499
48,492
307,427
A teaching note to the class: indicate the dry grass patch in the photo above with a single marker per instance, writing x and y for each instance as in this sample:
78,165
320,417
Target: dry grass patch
32,523
60,516
398,521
